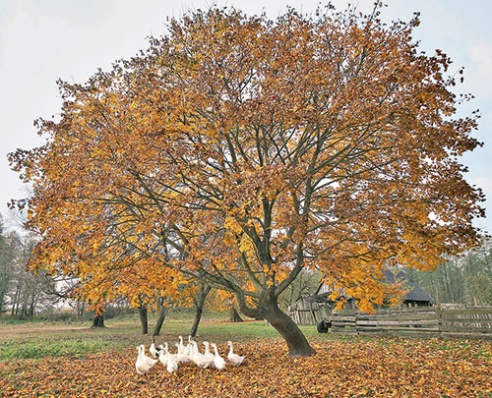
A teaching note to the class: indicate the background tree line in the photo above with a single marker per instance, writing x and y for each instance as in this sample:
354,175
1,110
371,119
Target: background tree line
22,293
465,279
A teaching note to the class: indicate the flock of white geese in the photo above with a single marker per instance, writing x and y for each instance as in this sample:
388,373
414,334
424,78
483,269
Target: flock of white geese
184,354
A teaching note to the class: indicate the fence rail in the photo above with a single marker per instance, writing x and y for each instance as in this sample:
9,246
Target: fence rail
416,322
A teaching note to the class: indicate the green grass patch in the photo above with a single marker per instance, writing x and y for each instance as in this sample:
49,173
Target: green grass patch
40,348
49,341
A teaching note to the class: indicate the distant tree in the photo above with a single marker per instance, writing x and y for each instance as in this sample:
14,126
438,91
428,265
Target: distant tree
237,151
161,316
478,274
464,279
98,320
144,320
6,266
234,315
305,284
199,304
22,290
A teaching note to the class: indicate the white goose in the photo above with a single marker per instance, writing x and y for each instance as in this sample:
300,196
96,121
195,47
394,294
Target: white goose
143,363
197,357
172,364
219,362
233,358
169,355
165,356
189,346
180,345
182,356
207,354
153,350
162,355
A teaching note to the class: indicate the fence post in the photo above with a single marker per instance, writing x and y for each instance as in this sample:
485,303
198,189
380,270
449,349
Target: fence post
439,321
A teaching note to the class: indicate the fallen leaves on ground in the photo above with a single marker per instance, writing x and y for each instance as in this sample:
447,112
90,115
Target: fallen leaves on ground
354,367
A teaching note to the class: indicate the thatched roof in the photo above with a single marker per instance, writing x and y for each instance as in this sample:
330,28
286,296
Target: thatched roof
416,293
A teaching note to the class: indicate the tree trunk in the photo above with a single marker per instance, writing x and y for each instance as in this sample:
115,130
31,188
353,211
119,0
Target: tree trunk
80,309
98,321
144,322
196,321
2,298
199,304
33,304
15,301
293,336
235,317
24,309
160,320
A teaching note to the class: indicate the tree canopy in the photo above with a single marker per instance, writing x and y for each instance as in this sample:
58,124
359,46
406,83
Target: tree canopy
238,150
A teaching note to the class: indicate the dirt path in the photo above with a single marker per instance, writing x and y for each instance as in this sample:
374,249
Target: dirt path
29,330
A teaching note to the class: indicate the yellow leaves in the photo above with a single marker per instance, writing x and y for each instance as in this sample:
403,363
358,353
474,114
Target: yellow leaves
230,224
95,246
229,239
246,246
235,138
365,305
224,295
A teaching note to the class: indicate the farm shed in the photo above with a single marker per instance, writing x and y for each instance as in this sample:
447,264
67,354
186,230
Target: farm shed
312,309
306,311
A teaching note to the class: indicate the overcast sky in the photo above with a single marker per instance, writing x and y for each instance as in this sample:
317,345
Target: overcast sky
43,40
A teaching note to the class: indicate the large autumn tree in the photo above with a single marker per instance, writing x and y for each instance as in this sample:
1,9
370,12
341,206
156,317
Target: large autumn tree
239,150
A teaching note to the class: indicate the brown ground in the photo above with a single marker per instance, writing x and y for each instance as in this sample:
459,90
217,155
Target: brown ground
356,367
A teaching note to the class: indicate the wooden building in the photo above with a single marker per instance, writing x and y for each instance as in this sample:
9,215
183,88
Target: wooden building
311,310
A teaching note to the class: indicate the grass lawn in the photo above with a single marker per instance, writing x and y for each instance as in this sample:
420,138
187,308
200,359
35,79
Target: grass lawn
61,360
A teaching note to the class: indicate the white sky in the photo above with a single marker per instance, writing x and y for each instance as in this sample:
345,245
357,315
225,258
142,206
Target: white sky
43,40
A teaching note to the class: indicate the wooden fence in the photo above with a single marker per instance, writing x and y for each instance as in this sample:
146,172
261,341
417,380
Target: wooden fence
473,322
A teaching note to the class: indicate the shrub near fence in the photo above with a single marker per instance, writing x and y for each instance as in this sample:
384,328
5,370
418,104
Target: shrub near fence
417,322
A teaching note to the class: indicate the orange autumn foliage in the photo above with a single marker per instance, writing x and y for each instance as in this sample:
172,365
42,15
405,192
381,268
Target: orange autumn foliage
238,150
